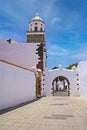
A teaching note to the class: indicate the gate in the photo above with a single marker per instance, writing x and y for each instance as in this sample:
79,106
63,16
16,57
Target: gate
61,86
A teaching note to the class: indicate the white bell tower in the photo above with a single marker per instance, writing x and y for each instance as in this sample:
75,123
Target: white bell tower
36,33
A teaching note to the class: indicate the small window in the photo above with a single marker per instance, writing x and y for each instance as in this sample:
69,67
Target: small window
41,29
77,74
36,29
35,23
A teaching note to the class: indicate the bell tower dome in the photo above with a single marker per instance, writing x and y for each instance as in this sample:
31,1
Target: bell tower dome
36,33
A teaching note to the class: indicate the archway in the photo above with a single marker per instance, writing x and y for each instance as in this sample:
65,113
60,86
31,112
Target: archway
61,86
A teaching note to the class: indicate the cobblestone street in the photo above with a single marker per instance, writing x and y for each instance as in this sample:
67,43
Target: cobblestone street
48,113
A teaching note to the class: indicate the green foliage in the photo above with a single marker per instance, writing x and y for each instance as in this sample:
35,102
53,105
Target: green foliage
70,66
55,68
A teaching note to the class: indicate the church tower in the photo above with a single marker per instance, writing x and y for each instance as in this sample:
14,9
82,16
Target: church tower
36,35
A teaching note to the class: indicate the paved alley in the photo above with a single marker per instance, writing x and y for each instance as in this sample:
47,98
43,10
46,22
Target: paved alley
48,113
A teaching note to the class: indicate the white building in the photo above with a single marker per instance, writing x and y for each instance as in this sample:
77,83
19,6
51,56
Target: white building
71,76
82,68
23,72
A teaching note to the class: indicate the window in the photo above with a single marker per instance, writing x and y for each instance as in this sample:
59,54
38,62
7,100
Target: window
35,23
41,29
77,74
36,29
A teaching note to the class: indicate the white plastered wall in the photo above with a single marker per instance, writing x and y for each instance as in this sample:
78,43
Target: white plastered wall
71,75
39,23
20,54
17,85
82,68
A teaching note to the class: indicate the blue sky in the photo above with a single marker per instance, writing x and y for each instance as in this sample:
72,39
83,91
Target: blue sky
66,26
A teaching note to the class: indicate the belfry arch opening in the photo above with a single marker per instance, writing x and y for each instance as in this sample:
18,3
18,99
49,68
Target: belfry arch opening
61,86
36,28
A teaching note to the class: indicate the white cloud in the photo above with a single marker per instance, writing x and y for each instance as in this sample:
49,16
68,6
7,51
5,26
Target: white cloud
81,53
56,20
56,50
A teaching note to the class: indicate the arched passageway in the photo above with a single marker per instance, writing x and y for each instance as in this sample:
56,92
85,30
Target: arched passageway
61,86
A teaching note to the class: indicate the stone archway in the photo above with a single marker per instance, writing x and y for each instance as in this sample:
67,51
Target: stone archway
61,86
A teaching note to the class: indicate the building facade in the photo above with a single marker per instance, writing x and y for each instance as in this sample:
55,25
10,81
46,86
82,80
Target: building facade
27,62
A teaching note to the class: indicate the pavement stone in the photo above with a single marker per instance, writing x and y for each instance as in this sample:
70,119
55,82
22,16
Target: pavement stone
48,113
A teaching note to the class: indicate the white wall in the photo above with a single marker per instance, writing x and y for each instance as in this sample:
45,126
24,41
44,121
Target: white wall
46,82
40,25
82,68
17,85
71,75
20,54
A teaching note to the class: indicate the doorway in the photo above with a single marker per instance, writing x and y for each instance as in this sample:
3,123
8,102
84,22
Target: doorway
61,86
